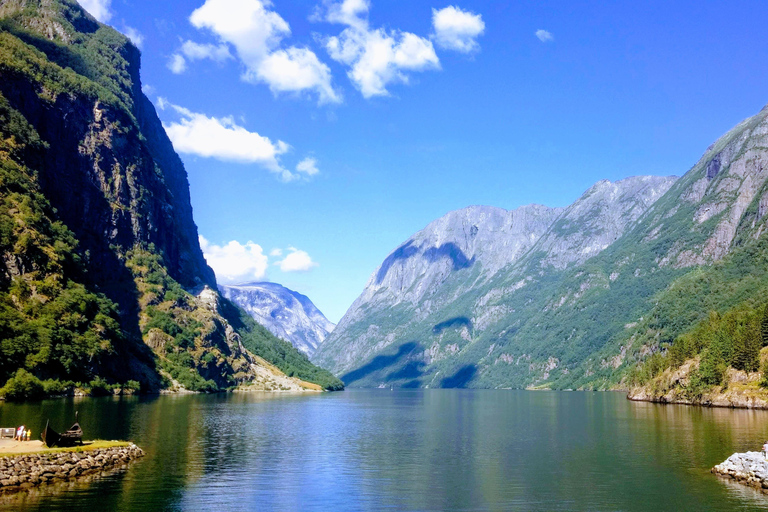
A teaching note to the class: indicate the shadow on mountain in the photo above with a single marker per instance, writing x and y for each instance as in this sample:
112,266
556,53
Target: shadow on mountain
457,321
412,370
412,384
403,252
451,251
380,363
461,378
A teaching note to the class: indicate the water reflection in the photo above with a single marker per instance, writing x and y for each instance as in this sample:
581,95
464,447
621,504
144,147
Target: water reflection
405,450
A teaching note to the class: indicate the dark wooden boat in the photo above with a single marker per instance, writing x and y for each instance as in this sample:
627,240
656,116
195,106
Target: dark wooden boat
69,438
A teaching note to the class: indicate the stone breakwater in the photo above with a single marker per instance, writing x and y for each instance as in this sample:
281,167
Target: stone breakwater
749,468
26,471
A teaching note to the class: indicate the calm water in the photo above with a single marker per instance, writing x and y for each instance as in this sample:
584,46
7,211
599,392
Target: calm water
404,450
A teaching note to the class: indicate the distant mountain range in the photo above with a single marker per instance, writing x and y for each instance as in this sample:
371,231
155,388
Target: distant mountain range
560,298
287,314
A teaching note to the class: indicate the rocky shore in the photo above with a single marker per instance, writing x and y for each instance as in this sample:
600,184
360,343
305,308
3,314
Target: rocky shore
33,469
741,391
749,468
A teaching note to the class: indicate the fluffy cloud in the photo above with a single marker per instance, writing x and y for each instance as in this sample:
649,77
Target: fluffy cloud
308,166
456,29
191,50
196,51
376,57
235,262
177,64
222,138
295,70
296,261
134,35
99,9
256,33
544,36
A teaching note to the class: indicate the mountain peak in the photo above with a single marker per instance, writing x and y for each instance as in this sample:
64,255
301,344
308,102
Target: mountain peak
284,312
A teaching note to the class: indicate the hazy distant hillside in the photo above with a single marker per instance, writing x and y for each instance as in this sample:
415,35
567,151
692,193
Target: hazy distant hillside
287,314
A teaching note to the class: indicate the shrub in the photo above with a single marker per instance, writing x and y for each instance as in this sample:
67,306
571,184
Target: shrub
100,387
23,386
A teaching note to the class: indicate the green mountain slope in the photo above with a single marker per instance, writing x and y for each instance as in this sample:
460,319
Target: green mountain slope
102,280
551,319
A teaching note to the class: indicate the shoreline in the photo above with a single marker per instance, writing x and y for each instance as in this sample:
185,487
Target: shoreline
720,400
35,467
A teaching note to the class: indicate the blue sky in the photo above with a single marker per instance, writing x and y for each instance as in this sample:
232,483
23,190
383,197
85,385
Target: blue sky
326,134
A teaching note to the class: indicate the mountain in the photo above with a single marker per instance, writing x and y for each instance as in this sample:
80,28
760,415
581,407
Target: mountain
102,280
443,287
287,314
604,283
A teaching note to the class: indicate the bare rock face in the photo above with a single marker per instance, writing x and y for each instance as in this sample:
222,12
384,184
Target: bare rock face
599,218
481,253
285,313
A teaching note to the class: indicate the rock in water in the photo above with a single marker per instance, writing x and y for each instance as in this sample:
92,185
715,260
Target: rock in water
750,468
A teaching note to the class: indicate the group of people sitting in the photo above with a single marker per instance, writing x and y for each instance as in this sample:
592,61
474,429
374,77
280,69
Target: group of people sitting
23,434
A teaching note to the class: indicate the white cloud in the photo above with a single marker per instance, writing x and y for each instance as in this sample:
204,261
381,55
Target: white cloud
295,70
308,166
376,57
349,12
235,262
276,252
544,36
147,89
195,51
134,35
223,139
256,33
296,261
99,9
177,64
456,29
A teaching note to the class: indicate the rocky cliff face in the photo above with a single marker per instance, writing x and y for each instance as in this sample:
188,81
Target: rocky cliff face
96,223
287,314
111,173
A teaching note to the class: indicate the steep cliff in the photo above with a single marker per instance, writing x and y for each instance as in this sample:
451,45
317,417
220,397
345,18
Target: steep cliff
287,314
100,259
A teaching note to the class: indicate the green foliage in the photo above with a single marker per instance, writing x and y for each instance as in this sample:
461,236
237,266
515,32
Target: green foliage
282,354
132,385
50,324
178,368
23,386
55,387
732,339
100,387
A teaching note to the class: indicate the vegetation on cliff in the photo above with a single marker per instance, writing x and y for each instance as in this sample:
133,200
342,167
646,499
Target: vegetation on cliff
99,259
714,319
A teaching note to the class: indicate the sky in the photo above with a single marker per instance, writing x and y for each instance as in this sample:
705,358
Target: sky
319,135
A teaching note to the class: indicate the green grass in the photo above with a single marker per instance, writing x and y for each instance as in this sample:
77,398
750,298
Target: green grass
87,446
